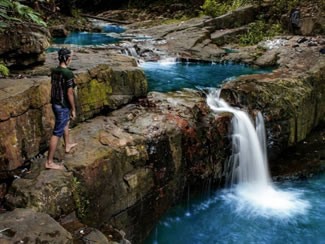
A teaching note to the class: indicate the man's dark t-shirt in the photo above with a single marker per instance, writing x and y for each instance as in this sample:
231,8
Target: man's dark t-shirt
61,80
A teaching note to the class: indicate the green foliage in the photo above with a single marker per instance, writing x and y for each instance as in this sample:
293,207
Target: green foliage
216,8
4,71
260,31
283,6
15,11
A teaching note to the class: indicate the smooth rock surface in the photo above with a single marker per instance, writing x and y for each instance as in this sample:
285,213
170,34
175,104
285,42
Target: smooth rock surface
27,226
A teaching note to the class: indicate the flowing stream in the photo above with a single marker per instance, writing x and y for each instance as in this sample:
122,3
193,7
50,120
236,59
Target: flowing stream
252,209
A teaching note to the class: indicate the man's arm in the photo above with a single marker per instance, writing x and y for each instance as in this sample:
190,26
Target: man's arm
71,101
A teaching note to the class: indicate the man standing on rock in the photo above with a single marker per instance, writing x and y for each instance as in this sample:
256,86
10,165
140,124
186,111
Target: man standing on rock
62,99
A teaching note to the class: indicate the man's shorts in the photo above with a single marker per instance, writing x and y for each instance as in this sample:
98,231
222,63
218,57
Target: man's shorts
62,117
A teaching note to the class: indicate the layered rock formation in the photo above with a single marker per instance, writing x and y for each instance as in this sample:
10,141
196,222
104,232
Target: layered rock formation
26,119
23,44
201,38
131,166
291,97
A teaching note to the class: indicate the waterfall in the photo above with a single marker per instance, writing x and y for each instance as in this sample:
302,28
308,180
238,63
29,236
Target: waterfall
251,187
132,52
248,159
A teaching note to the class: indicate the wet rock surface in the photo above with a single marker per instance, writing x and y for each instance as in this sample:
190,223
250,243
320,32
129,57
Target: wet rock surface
27,226
304,160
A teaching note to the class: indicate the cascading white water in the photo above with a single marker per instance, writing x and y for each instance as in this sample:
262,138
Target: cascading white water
252,187
248,161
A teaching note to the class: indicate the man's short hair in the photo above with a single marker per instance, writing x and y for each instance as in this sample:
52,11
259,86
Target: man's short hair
63,55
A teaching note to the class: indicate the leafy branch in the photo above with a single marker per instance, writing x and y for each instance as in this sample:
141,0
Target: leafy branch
15,11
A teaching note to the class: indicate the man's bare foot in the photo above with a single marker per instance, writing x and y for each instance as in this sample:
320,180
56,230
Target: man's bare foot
51,165
69,147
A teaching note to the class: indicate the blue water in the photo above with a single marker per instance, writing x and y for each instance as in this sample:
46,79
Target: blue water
171,76
224,218
52,49
113,28
85,38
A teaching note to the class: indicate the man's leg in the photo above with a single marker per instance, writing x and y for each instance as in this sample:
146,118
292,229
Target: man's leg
52,147
67,144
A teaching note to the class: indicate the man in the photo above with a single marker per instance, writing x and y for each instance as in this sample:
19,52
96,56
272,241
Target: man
62,99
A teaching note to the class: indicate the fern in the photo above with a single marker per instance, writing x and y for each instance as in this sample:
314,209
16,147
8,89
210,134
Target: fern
19,11
6,4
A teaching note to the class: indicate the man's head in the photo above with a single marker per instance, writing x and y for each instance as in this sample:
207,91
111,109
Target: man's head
64,56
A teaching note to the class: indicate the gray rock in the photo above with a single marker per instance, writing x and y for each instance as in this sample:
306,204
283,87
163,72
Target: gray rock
22,44
96,237
222,37
50,192
27,226
268,59
239,17
59,31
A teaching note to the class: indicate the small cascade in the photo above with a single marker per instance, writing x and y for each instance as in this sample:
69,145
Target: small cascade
251,187
249,164
132,52
167,60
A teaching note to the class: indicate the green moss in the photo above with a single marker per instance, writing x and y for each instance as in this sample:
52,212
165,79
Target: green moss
215,8
81,202
95,94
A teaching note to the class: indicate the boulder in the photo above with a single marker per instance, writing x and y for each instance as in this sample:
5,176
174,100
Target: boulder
222,37
51,192
292,106
236,18
27,226
268,59
96,236
311,26
25,120
23,44
59,31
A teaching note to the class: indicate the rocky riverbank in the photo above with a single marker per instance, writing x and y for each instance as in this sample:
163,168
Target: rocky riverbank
138,152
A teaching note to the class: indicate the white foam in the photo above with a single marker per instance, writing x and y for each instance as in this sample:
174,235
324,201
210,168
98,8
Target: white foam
266,201
252,189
